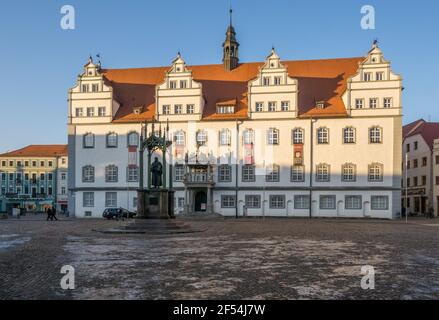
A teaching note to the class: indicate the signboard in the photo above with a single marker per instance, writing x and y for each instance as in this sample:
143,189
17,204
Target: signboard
132,157
298,154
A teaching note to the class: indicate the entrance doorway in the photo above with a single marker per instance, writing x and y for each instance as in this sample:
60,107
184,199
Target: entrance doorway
200,201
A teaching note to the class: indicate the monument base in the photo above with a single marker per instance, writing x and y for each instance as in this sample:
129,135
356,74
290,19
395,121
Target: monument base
155,204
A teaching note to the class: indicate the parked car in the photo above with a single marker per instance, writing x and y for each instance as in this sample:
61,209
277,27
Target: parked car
117,213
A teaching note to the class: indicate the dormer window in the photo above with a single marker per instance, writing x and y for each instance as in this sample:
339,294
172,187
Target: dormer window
137,110
225,109
320,104
367,77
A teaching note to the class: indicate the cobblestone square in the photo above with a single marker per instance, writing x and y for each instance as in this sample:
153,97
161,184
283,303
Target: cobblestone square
229,259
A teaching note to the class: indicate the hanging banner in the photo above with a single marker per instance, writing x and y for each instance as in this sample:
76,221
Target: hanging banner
249,158
298,154
132,157
179,151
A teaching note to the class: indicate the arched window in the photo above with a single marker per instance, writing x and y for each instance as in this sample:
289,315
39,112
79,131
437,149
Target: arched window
248,136
323,173
111,173
133,139
112,140
297,136
349,135
179,138
201,138
225,138
375,135
375,172
273,136
88,174
322,135
89,140
348,172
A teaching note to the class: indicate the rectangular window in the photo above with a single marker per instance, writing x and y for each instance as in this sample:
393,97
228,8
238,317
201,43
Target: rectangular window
88,200
63,176
285,105
379,203
85,88
180,202
424,180
380,76
387,102
3,163
259,106
133,174
272,106
50,176
228,201
252,201
95,87
135,202
277,81
297,174
373,103
301,202
225,173
178,109
415,181
407,147
79,112
111,199
166,109
367,76
102,112
437,159
424,161
277,202
272,174
248,173
416,145
353,202
266,81
49,191
90,112
42,176
50,164
63,190
437,180
190,108
273,137
327,202
415,163
183,84
359,103
172,84
179,173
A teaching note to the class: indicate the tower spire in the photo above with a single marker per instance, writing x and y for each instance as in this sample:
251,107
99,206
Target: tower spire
230,46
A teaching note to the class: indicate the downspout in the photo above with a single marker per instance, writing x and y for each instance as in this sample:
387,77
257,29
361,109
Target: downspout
311,167
237,169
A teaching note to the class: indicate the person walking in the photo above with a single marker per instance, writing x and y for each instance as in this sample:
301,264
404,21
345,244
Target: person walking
49,214
54,214
431,212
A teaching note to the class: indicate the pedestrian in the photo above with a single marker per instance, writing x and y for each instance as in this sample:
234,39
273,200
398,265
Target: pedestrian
54,214
431,212
404,212
49,214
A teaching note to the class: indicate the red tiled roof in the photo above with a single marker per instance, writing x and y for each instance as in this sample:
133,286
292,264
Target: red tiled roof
54,150
319,80
409,127
428,130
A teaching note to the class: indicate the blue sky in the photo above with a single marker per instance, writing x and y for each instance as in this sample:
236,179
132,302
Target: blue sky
39,61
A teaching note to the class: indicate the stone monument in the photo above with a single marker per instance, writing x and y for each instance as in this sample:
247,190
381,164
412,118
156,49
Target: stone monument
157,200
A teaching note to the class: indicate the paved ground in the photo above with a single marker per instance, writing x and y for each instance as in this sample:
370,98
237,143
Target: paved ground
244,259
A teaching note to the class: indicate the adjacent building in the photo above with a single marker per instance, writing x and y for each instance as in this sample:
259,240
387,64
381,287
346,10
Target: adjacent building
319,138
34,178
420,165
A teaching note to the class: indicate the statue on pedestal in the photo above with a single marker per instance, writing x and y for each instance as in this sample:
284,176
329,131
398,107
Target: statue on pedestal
156,173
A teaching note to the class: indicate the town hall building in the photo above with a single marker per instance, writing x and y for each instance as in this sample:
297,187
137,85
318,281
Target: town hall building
317,138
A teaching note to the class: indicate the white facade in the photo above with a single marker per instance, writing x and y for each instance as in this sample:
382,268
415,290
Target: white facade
345,173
